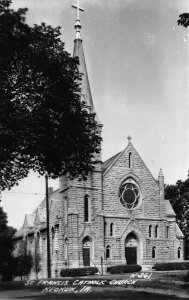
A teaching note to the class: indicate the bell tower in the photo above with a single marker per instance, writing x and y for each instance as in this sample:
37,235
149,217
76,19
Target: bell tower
82,199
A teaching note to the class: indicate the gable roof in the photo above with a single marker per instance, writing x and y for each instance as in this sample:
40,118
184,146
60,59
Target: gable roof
30,220
109,162
19,233
41,215
179,233
169,209
40,211
53,196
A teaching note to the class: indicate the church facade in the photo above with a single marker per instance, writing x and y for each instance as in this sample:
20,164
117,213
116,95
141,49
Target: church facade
117,216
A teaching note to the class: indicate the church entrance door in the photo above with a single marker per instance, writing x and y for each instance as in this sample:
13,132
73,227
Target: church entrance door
131,246
86,257
86,251
131,255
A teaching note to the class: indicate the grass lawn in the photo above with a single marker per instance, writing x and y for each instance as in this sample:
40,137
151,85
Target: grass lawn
161,285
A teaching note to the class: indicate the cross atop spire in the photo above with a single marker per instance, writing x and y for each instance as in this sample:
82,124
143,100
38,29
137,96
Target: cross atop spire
129,139
77,23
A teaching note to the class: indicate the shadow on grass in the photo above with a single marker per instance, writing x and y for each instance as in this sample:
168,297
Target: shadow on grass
111,295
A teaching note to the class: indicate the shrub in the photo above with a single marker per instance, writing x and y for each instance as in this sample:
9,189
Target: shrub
74,272
7,274
22,264
171,266
124,269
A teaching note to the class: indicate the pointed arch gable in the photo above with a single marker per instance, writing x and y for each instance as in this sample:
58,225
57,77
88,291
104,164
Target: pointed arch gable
127,150
87,231
131,226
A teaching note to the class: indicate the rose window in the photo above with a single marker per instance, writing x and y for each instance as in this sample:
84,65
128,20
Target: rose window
129,195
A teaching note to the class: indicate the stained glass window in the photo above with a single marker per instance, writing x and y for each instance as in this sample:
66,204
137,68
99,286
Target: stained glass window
129,195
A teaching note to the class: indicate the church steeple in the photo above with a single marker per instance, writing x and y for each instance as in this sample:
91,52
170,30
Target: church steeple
86,95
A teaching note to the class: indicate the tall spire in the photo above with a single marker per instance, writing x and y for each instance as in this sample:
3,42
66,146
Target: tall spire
86,95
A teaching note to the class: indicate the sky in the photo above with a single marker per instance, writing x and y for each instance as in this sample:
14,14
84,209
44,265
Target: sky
138,67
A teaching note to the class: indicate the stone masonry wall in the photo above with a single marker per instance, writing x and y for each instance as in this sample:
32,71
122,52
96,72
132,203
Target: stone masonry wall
151,211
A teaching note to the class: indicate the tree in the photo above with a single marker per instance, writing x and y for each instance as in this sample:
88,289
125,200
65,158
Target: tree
44,126
22,263
181,190
183,20
178,195
6,246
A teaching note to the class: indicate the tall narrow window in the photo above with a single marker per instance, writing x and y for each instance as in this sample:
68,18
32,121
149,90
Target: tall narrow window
108,248
154,252
105,228
179,249
65,210
37,248
129,159
150,231
56,238
52,235
111,229
38,253
66,248
167,232
44,245
156,231
86,208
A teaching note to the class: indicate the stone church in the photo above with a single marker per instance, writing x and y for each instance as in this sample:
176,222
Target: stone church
118,215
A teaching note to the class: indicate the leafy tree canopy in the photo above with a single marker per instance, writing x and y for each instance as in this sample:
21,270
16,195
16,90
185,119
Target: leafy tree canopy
178,195
43,126
6,242
183,19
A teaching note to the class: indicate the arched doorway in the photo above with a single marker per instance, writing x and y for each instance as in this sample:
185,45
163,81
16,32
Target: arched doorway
86,251
131,247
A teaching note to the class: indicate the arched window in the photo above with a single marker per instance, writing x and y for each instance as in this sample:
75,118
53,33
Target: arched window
108,248
66,248
52,235
105,228
56,238
37,247
179,250
111,229
156,231
65,210
154,252
38,252
129,159
86,208
150,231
44,245
167,233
